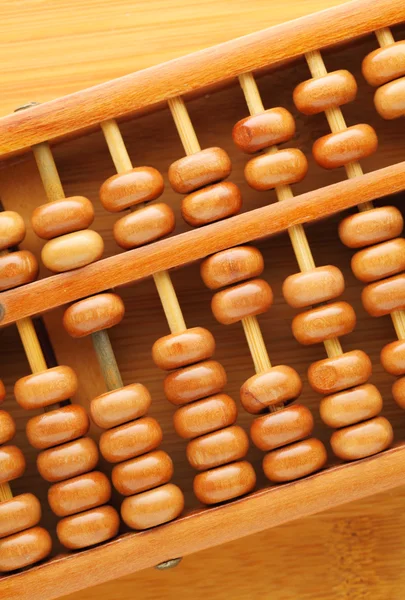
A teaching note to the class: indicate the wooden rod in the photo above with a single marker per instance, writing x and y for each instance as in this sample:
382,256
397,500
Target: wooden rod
107,361
384,37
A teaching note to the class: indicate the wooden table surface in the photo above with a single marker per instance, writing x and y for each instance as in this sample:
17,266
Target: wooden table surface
52,48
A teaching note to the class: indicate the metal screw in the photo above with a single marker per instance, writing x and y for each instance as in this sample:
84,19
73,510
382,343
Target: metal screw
169,564
27,105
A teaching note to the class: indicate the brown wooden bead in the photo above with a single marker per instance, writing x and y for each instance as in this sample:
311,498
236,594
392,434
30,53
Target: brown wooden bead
130,440
57,426
295,461
218,448
12,463
339,149
340,372
278,385
389,99
384,297
311,287
257,132
12,229
142,473
152,508
72,251
398,392
2,392
211,204
68,460
379,261
17,268
195,382
144,225
284,167
7,427
253,297
79,494
322,93
19,513
393,357
93,314
282,427
124,190
120,406
384,64
24,549
88,528
324,323
46,387
351,406
371,227
224,483
204,416
184,348
62,216
231,266
199,169
362,439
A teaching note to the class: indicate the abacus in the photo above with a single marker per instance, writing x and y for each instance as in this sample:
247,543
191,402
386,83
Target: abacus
163,349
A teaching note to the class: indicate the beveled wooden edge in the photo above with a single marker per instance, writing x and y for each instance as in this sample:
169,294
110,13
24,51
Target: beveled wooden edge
126,95
185,248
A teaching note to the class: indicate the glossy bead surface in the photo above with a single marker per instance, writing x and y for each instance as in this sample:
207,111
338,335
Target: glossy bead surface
57,426
130,440
384,64
311,287
389,99
218,448
72,251
2,392
88,528
62,216
340,372
362,439
282,427
393,357
195,382
224,483
295,461
79,494
142,473
12,229
211,204
46,387
204,416
24,549
231,266
199,169
260,131
184,348
7,427
338,149
351,406
93,314
371,227
323,323
253,297
19,513
284,167
384,297
68,460
144,225
152,508
398,392
12,463
382,260
279,384
328,91
124,190
17,268
120,406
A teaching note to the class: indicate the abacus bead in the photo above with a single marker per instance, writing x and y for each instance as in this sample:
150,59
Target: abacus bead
7,427
224,483
311,287
144,225
79,494
88,528
12,229
393,357
362,439
124,190
340,372
351,406
93,314
62,216
17,268
231,266
152,508
339,149
379,261
211,204
398,392
295,461
68,460
19,513
384,64
57,426
389,99
324,323
279,384
371,227
267,171
195,382
384,297
143,473
268,128
199,169
282,427
253,297
184,348
2,392
24,549
12,463
204,416
46,387
72,250
322,93
132,439
120,406
218,448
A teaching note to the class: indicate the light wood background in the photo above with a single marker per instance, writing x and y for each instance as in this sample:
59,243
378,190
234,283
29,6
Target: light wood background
52,48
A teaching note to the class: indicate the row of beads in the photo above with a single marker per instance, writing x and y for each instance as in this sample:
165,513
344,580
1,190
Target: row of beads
16,268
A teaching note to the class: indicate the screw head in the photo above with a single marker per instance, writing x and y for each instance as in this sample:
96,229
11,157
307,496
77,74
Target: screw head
169,564
27,105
